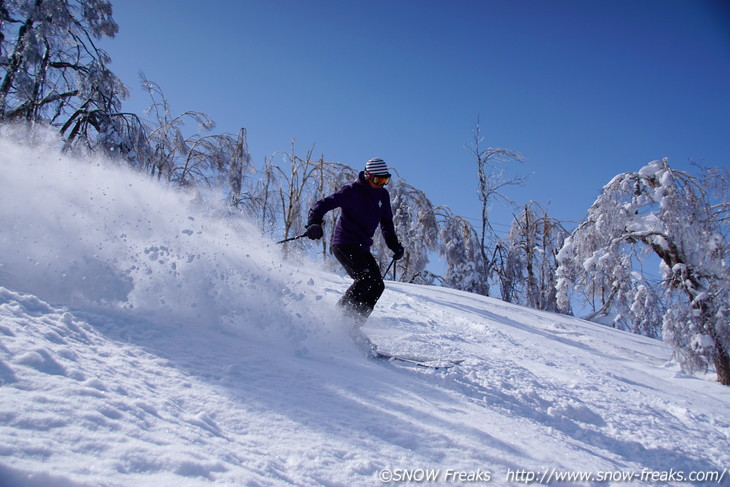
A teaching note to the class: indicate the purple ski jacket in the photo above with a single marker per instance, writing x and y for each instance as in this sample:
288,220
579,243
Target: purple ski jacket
363,208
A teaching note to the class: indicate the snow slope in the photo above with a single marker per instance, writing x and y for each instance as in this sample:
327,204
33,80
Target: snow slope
145,343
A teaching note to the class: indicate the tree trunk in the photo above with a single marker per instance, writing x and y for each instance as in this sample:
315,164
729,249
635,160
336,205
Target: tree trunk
691,285
722,363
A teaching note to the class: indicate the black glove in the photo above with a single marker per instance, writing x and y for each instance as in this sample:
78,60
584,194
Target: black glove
314,231
398,252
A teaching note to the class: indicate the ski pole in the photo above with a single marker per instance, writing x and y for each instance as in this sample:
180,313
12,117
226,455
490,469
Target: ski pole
292,238
389,266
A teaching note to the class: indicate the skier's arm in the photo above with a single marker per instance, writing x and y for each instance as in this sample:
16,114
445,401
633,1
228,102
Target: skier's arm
321,207
388,229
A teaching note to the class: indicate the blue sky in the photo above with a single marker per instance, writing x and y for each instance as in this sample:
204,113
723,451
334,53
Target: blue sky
583,89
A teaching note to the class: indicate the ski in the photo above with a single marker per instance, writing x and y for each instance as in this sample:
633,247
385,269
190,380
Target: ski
438,364
372,350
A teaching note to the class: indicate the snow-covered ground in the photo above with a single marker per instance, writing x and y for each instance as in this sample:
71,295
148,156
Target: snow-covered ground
145,343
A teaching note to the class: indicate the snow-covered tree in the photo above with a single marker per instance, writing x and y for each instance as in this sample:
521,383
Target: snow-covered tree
415,224
529,259
493,180
258,198
296,177
646,312
188,160
288,188
667,213
165,135
460,246
237,162
52,70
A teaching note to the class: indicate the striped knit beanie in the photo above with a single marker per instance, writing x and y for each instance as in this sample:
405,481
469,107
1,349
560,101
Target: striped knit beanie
376,166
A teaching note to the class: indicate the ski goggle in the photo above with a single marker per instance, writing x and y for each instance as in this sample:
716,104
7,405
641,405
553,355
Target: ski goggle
380,180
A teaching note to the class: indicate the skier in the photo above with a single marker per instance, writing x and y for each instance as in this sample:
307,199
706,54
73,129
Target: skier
365,203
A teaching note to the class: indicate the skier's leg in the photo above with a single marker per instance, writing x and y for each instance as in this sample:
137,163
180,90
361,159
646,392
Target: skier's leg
368,284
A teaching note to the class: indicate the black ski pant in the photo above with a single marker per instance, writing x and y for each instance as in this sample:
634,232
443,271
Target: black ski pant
360,298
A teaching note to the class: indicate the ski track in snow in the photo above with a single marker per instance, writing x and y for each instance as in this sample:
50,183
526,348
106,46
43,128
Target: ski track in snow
184,351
